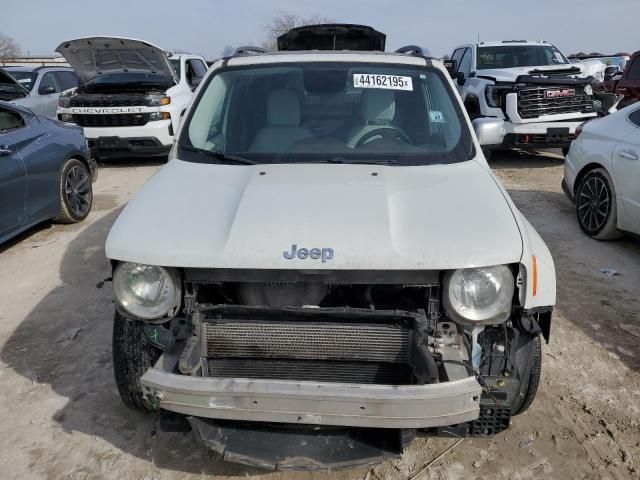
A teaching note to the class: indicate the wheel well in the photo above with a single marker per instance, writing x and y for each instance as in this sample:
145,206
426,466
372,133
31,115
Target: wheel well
582,173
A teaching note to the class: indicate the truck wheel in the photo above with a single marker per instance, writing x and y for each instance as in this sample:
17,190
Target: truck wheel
596,206
527,394
133,355
76,192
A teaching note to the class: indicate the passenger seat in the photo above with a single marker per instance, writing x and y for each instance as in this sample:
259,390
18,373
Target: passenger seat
283,123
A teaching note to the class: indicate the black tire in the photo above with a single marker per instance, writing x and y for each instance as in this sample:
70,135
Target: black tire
596,207
133,355
76,192
525,398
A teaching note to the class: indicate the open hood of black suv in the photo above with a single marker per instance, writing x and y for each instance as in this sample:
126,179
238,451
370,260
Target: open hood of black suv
332,36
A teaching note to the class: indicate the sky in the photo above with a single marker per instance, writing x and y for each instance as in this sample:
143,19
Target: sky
207,26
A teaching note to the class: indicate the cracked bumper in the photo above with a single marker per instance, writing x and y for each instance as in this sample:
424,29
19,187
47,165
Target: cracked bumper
316,403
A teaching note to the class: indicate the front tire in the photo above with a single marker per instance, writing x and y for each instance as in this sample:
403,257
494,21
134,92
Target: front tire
596,207
76,192
133,355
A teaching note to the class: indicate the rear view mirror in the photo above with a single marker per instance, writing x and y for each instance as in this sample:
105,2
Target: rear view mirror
490,131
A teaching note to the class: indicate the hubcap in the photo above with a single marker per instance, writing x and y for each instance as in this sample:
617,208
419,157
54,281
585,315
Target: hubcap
78,191
594,203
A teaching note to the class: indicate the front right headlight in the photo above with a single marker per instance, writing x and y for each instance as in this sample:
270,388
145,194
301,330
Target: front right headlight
479,296
147,292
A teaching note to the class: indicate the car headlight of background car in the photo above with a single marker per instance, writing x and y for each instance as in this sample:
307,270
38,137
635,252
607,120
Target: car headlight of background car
147,292
159,116
479,296
64,101
495,94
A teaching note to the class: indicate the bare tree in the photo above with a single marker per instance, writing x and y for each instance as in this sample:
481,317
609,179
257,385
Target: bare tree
285,21
8,48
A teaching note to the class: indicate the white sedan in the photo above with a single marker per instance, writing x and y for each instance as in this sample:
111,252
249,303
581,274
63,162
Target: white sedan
602,175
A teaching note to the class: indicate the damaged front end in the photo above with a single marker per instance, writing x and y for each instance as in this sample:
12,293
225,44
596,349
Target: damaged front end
285,369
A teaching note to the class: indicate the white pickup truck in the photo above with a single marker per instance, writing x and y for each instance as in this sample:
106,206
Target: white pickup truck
132,94
531,85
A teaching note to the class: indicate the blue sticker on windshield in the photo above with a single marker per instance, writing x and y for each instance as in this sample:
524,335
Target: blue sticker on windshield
436,116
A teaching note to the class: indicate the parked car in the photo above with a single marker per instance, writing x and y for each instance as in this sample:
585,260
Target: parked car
602,175
132,95
44,85
45,171
625,83
327,259
531,86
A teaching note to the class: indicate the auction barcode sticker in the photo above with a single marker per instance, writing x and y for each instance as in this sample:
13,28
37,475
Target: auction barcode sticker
389,82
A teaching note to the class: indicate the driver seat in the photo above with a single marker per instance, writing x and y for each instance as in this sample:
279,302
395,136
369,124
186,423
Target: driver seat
378,109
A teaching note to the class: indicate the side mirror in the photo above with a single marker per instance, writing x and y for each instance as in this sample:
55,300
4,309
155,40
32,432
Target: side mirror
451,66
461,78
490,131
48,90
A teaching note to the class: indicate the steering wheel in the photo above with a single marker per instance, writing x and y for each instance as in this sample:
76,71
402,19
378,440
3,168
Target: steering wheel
387,132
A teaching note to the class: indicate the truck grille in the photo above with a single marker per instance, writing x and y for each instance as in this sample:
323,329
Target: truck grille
111,120
317,351
533,103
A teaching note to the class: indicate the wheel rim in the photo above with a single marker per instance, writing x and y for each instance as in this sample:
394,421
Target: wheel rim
78,191
594,204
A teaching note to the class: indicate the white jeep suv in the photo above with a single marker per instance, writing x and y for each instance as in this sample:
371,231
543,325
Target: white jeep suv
540,96
132,94
327,266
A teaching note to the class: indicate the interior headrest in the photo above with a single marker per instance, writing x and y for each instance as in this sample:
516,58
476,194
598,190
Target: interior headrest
283,108
378,105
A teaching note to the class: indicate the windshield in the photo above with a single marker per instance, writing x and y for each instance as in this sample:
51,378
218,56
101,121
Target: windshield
335,112
26,79
519,56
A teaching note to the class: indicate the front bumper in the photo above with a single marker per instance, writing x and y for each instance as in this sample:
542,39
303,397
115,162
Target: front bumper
316,403
116,147
534,135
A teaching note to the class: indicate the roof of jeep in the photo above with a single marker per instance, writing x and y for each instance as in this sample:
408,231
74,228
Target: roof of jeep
507,43
326,56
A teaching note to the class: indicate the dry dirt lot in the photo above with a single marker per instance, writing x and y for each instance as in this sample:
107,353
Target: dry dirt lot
61,416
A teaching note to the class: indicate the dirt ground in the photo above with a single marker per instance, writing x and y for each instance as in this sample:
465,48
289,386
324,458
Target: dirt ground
61,417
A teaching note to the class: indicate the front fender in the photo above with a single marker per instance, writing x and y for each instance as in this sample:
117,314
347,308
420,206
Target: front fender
538,271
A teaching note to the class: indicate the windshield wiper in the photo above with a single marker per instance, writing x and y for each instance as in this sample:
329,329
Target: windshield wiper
343,160
223,157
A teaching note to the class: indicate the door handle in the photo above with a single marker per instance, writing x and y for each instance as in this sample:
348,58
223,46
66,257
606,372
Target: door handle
4,151
628,154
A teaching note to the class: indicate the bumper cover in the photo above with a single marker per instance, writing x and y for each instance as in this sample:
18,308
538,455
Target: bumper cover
316,403
114,147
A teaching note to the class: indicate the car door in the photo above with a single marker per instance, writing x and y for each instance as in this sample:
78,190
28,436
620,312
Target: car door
13,175
46,101
464,67
626,166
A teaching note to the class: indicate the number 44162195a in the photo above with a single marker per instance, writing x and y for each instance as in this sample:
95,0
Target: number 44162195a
390,82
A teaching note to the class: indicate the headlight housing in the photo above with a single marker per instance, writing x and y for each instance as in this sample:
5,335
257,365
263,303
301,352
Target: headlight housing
64,101
154,116
495,94
479,296
147,292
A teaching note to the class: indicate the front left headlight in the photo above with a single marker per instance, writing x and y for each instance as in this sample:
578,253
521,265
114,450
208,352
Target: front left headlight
64,101
479,296
147,292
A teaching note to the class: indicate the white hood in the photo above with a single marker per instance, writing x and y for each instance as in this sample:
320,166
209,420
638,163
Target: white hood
510,74
95,56
403,218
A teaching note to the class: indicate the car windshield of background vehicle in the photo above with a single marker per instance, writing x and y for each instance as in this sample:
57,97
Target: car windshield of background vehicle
26,79
328,112
510,56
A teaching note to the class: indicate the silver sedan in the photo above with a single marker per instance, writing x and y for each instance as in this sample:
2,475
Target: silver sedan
602,175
